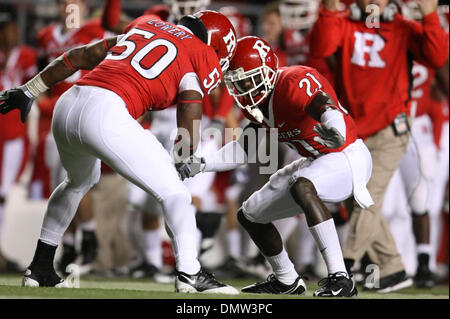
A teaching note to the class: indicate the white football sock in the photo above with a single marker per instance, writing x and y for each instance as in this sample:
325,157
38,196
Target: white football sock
424,249
327,241
234,243
283,267
153,247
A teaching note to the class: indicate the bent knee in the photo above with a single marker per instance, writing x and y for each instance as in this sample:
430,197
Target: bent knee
302,190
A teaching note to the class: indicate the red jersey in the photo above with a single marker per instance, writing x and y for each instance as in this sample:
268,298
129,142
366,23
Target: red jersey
421,100
373,65
53,43
19,68
295,88
147,66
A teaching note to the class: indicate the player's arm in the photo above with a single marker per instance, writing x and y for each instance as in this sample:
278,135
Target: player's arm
331,127
112,18
235,153
326,35
85,57
428,41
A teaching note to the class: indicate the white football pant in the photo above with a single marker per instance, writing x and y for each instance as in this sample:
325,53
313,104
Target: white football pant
92,124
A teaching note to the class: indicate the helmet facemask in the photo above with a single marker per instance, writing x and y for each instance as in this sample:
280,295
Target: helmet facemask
250,89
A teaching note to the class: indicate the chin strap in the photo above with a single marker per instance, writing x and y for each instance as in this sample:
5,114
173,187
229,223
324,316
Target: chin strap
256,113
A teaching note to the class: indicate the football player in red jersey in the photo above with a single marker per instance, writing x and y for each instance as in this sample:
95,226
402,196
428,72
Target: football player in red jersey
154,65
17,65
302,105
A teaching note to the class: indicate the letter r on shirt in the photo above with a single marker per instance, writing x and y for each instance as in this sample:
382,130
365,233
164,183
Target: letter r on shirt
371,44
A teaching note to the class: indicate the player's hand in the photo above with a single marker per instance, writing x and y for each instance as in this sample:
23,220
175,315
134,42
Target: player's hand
190,166
328,136
16,99
427,6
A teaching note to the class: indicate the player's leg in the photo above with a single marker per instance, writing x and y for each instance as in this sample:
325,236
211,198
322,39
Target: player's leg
83,171
272,202
108,130
417,170
57,174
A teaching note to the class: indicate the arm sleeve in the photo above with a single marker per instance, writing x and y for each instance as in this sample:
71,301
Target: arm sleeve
326,35
428,41
111,13
229,157
190,81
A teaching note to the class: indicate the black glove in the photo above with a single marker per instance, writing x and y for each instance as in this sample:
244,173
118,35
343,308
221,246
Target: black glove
328,136
189,167
16,99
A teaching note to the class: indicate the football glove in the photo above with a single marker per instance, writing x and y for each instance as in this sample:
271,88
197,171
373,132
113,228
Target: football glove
190,166
328,136
18,98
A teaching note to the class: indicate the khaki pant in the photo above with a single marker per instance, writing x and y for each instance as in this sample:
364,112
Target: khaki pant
110,206
369,231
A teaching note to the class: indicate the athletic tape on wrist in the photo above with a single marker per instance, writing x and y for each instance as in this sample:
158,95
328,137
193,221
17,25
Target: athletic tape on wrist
36,86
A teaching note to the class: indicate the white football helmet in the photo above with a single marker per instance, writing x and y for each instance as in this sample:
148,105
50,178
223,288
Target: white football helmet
299,14
180,8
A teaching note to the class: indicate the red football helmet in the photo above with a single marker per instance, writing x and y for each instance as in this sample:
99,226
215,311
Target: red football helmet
221,35
252,74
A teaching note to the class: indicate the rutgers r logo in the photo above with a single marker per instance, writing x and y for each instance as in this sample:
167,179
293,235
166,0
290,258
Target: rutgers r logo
262,49
370,44
230,41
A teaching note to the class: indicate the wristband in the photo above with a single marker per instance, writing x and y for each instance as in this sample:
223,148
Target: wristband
36,86
68,62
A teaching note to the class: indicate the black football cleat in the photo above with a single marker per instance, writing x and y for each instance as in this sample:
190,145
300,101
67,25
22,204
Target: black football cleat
203,282
47,278
273,286
424,278
336,285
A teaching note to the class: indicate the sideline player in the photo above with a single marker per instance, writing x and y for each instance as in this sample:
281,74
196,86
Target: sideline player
302,105
154,65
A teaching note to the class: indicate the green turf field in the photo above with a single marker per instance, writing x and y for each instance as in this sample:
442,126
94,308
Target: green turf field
126,288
